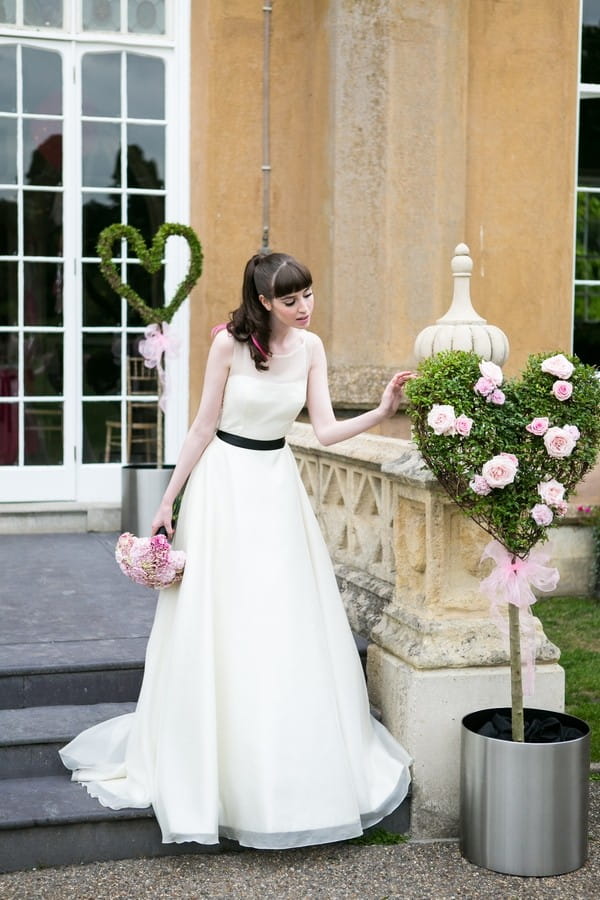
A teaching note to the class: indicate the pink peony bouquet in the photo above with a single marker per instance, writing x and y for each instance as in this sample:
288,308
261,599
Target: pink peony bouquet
150,560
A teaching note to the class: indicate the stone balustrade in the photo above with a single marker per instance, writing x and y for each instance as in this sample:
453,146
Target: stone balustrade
408,565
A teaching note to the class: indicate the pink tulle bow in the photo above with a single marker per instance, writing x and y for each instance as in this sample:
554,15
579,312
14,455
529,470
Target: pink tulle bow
156,341
511,582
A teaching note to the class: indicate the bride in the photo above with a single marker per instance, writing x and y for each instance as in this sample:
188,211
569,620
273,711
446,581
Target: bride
253,719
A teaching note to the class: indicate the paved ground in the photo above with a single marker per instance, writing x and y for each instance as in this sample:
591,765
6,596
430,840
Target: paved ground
332,872
58,591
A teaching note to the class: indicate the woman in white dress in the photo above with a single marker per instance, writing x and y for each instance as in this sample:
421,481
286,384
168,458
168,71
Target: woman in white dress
253,719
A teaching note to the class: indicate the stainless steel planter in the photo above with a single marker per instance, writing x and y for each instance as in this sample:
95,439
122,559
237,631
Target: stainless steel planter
142,490
524,807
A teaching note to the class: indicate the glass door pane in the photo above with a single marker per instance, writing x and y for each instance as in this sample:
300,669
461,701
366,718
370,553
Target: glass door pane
123,137
32,322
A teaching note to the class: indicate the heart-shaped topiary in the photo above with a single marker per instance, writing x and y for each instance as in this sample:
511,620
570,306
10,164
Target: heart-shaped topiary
509,454
151,259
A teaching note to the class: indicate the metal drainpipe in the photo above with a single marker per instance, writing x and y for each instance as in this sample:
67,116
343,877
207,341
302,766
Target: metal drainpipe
266,165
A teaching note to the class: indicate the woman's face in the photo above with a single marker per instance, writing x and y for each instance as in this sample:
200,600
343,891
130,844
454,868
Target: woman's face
293,310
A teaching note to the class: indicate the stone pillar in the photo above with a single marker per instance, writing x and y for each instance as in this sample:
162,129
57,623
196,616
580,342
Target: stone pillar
437,655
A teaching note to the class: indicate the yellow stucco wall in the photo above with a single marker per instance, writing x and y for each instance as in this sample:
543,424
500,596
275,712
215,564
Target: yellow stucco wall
398,129
522,115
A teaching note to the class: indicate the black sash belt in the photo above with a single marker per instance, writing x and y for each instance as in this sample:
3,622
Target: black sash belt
248,443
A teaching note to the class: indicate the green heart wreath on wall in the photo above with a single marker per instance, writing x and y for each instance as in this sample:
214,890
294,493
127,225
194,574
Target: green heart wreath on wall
509,455
157,342
151,259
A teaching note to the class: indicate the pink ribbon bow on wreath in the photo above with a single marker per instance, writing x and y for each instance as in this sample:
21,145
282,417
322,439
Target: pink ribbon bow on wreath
155,342
511,582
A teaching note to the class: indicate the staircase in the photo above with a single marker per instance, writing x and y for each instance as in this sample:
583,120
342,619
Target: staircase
72,647
46,819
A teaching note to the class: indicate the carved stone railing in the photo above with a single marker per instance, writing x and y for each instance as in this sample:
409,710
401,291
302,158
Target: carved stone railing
354,502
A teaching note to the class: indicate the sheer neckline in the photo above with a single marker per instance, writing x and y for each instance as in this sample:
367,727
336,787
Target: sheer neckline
290,352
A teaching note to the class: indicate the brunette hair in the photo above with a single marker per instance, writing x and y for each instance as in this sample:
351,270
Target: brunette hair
272,275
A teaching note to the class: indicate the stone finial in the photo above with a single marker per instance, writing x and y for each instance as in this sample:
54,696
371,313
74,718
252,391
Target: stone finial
461,328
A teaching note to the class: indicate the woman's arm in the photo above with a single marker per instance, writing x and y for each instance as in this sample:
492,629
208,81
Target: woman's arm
327,429
203,427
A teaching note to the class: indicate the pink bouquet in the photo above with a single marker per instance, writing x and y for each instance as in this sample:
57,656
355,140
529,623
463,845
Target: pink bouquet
150,560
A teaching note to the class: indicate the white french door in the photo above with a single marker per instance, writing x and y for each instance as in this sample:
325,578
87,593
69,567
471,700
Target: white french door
37,409
84,142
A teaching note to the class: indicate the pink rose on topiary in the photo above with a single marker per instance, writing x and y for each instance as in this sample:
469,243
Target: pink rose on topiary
497,396
559,442
462,425
441,418
574,431
484,386
490,370
538,426
562,390
561,509
542,514
500,470
552,492
480,485
559,366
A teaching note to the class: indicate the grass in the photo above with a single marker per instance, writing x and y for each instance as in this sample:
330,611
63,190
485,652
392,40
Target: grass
573,624
379,836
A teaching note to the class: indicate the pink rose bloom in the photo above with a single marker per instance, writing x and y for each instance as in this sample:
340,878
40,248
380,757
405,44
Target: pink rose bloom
574,431
562,390
499,470
490,370
480,485
484,386
559,366
538,426
441,419
552,492
497,396
561,509
559,442
542,514
462,425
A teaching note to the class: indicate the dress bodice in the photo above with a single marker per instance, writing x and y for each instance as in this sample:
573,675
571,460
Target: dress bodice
263,405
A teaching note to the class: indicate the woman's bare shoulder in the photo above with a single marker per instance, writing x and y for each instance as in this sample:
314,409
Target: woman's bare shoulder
313,340
222,345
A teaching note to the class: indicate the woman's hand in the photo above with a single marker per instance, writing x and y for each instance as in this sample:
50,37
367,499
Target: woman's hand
392,395
163,519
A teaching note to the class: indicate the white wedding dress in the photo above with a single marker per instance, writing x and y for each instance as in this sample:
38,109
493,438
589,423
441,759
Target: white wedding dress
253,720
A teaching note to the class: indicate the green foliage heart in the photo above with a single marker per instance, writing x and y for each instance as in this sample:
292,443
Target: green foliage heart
449,379
151,259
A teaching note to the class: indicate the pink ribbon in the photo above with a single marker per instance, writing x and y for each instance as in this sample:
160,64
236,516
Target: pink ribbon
158,341
511,582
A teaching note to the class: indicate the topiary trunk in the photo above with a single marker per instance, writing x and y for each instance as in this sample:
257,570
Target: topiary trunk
516,676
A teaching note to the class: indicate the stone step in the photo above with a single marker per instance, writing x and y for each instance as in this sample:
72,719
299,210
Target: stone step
87,672
31,738
59,518
71,672
52,821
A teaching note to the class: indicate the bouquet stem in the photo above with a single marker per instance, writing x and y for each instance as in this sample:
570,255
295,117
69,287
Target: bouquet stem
516,678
